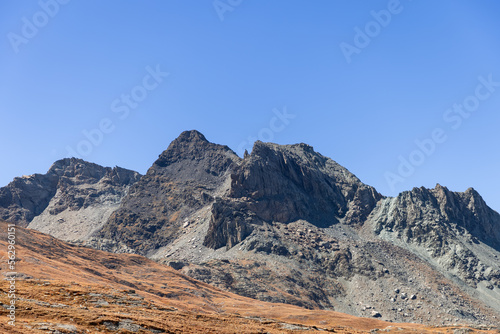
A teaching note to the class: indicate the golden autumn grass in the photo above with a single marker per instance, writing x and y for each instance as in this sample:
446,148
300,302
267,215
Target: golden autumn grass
75,289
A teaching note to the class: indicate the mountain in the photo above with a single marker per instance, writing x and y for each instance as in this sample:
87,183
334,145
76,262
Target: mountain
185,178
285,224
71,201
62,288
457,233
275,183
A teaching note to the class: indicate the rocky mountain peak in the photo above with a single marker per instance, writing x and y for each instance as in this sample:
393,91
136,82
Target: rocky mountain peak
191,145
78,171
423,207
452,228
260,148
187,176
191,136
474,197
441,189
290,182
76,183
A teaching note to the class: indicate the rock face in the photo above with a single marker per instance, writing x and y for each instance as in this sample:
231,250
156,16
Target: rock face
289,182
283,224
72,200
285,183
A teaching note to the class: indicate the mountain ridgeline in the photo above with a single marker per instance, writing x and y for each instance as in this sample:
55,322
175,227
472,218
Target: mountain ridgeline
282,224
74,195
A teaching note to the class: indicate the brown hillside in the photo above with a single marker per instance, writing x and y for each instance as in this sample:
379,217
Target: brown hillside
68,289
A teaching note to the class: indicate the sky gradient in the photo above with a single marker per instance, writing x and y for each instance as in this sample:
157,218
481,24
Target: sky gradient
402,93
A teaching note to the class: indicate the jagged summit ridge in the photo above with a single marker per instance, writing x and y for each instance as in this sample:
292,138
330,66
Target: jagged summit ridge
88,172
55,202
293,182
197,156
439,207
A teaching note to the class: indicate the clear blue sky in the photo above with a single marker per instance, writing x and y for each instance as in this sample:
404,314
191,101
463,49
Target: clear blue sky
231,70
